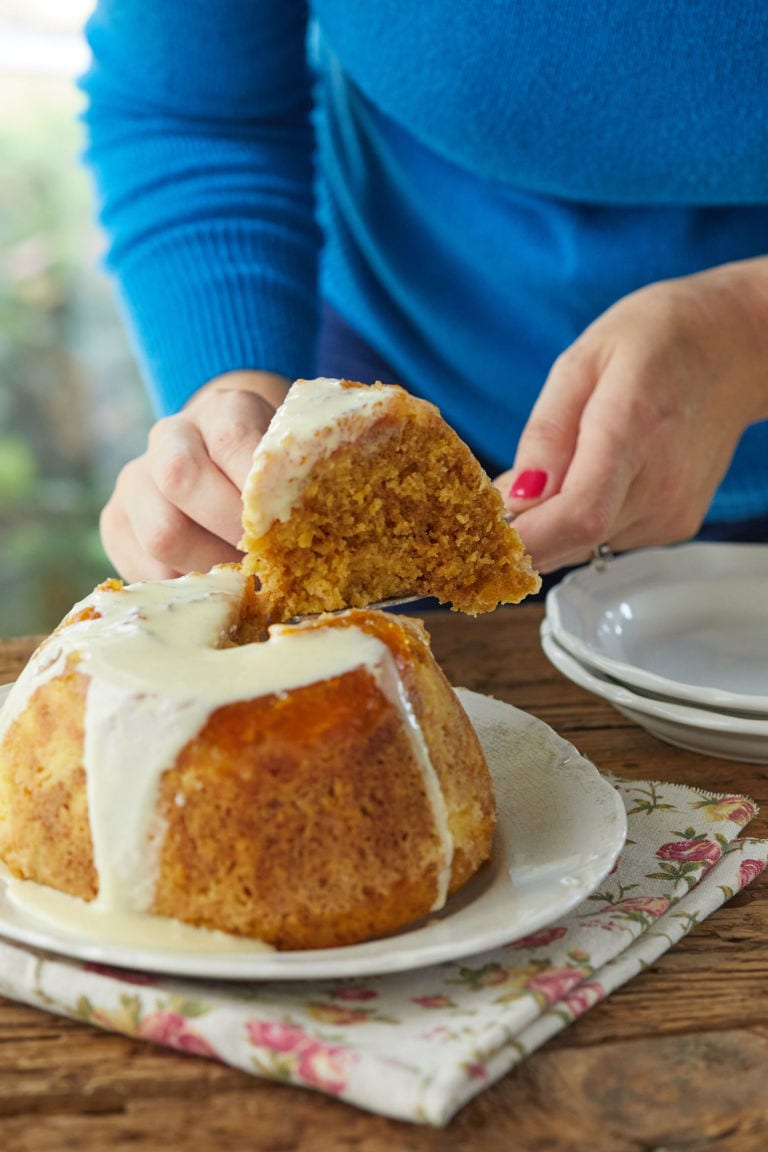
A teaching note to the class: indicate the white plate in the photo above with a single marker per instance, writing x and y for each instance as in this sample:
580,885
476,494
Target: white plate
689,622
714,733
560,828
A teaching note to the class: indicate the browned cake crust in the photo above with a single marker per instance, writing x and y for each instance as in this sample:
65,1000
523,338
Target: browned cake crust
44,831
301,820
330,831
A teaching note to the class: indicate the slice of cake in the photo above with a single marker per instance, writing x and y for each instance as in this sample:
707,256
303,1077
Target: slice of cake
360,493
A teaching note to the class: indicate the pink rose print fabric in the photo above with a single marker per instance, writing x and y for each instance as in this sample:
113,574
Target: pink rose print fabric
418,1045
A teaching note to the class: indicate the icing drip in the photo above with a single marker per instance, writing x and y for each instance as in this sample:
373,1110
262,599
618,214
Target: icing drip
392,686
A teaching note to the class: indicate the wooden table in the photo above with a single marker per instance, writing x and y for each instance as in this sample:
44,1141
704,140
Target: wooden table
676,1060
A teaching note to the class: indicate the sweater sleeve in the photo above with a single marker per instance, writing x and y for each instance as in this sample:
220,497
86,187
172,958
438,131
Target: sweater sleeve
199,138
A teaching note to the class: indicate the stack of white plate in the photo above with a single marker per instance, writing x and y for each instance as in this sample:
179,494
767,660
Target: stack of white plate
676,639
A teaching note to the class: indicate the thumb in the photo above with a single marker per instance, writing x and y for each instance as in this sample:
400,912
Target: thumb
548,441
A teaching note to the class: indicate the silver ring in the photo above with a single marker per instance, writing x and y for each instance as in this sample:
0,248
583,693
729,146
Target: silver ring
600,556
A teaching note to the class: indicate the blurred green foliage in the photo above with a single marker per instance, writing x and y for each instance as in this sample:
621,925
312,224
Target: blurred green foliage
72,409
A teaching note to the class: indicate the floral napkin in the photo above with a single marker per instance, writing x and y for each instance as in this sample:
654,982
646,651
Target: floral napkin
418,1045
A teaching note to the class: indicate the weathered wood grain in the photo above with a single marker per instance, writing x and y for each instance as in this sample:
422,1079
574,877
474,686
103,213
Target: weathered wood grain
676,1061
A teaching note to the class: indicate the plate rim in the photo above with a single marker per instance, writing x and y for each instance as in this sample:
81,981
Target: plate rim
631,677
622,695
371,958
647,561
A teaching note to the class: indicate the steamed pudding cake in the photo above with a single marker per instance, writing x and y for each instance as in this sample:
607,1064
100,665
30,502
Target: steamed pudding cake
318,788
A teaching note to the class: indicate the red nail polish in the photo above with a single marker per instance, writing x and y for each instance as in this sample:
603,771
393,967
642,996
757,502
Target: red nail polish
529,484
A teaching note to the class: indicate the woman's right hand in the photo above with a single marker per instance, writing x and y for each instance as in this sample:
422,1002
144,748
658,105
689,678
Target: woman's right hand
177,508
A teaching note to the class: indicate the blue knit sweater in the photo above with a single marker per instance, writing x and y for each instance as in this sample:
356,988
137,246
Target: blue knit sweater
487,176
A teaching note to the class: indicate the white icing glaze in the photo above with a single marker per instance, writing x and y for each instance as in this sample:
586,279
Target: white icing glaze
158,663
393,688
139,930
310,423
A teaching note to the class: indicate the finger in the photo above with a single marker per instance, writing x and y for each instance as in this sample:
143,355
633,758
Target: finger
549,439
124,551
231,424
591,507
184,474
167,535
652,527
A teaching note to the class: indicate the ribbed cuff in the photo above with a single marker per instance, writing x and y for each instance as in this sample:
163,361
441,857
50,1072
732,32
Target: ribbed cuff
200,304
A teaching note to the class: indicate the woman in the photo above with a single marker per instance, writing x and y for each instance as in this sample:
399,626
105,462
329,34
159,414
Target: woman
548,218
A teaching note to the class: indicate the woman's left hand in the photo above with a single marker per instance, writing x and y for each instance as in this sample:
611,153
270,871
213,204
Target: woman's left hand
638,420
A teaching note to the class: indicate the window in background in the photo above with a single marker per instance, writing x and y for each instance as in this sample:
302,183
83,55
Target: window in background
72,408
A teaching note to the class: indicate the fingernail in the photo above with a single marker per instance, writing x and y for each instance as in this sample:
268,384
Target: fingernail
529,484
